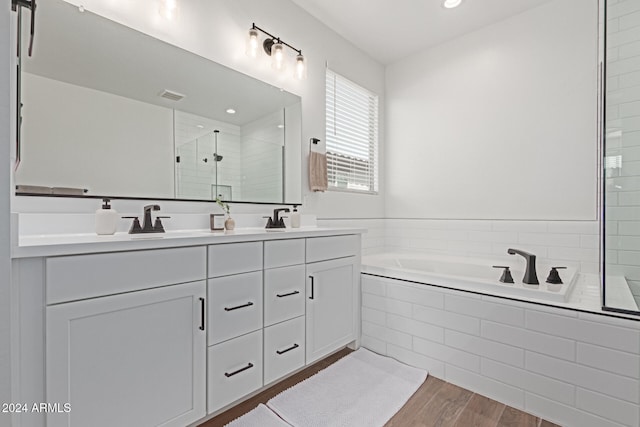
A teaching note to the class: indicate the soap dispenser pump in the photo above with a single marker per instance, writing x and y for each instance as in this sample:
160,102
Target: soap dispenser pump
295,217
106,219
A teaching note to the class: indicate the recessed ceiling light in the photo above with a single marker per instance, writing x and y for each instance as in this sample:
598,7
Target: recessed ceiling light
280,126
231,111
200,126
450,4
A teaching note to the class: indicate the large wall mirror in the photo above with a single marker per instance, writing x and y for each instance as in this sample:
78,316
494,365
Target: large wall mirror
118,113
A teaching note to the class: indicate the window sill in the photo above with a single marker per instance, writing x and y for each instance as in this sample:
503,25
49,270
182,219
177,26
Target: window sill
347,190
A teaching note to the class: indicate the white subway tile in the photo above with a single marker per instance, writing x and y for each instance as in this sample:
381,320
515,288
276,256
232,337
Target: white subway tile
581,330
416,328
611,384
373,286
618,362
573,227
447,354
496,390
632,322
447,319
485,310
388,335
374,344
605,406
573,254
538,342
520,226
416,294
493,236
562,414
589,241
528,381
387,305
433,366
374,316
550,239
482,347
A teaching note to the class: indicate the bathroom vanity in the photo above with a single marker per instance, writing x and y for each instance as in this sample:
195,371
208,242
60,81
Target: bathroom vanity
170,331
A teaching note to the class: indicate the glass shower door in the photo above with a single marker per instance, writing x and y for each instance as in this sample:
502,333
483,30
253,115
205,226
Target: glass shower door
621,163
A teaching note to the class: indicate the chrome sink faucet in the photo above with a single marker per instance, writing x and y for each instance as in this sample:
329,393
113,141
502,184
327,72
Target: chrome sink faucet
530,276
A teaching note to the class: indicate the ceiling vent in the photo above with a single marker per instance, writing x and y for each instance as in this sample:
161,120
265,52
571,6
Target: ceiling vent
173,96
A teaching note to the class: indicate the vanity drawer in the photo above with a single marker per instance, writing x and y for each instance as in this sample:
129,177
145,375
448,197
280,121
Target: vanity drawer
324,248
234,306
283,348
234,258
70,278
281,253
234,370
284,290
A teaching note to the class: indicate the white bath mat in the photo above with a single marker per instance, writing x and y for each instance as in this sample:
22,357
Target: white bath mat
261,416
361,389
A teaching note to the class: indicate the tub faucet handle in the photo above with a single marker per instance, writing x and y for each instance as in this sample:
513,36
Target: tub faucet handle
506,274
554,277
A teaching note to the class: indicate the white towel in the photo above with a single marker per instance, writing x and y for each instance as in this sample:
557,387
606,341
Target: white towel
261,416
318,171
362,389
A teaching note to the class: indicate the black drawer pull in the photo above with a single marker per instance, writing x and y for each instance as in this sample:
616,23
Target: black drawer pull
286,295
293,347
312,286
202,310
249,304
249,366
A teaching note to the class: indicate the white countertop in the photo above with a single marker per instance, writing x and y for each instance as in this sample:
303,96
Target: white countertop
30,246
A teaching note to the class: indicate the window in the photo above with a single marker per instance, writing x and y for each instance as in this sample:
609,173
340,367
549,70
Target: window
352,136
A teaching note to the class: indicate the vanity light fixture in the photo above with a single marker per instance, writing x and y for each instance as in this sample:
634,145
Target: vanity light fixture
274,47
450,4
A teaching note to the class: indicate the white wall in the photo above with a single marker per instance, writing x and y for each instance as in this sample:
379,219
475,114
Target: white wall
110,154
499,123
7,156
217,29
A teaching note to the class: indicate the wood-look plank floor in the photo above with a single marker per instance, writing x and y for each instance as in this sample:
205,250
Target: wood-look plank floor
435,404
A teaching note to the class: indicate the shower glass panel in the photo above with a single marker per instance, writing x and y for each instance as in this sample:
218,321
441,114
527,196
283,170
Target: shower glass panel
196,169
621,163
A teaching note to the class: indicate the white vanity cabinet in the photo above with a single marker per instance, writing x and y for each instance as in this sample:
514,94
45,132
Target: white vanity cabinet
131,359
331,294
168,336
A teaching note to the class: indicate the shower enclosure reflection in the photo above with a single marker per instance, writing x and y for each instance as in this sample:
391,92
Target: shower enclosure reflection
216,159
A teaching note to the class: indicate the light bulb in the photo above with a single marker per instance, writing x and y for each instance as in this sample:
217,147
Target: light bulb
169,9
450,4
300,72
252,43
277,53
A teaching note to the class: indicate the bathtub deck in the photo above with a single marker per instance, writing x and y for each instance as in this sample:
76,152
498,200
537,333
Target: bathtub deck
435,403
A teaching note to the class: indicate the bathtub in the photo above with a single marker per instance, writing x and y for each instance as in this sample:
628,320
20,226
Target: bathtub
470,274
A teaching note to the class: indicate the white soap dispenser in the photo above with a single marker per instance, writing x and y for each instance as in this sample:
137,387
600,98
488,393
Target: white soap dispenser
295,217
106,219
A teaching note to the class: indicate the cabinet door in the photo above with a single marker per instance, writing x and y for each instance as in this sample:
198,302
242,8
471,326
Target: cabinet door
135,359
330,306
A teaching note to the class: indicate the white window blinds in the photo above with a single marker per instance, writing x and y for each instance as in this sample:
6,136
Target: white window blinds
352,135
